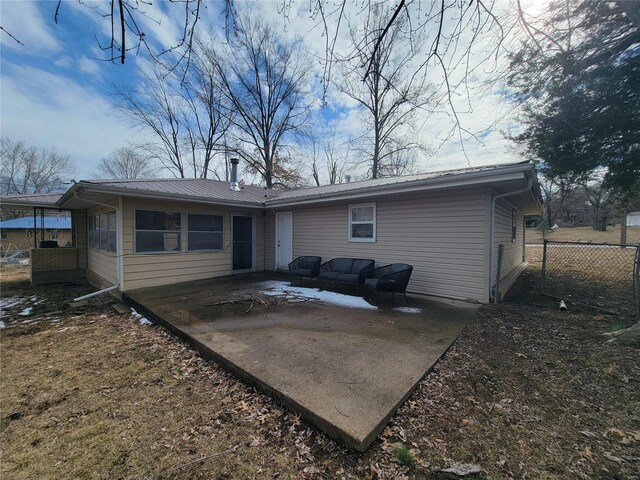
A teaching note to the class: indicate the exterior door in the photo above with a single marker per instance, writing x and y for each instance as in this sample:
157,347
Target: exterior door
243,241
284,239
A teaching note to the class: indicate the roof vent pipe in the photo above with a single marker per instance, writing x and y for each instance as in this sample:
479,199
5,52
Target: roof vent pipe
347,179
234,175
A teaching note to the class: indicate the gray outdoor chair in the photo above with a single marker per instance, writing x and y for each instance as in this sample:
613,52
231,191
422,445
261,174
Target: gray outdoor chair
308,267
390,278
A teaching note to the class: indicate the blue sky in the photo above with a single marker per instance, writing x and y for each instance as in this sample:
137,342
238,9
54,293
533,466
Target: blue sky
55,92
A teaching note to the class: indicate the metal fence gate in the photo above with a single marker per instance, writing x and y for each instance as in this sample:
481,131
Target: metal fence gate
600,275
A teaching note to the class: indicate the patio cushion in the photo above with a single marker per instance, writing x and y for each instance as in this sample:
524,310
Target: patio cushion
307,262
301,272
351,278
342,265
329,275
360,264
371,282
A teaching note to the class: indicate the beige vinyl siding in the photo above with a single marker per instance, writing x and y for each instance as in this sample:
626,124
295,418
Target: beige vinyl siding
513,251
102,264
153,269
270,242
443,235
259,229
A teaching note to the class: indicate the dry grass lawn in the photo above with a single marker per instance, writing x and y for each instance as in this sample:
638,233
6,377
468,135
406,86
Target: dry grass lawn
584,234
525,392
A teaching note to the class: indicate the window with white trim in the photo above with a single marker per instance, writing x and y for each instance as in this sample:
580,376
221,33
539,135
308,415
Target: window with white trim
205,232
102,232
362,222
157,232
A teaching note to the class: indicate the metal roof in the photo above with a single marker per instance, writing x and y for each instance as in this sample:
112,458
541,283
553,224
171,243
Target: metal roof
251,196
33,200
187,188
389,181
52,223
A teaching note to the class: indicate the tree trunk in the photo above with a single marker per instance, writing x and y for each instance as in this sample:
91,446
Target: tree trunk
623,228
599,220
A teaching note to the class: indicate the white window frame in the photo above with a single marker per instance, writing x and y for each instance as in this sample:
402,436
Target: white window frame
199,231
158,252
358,239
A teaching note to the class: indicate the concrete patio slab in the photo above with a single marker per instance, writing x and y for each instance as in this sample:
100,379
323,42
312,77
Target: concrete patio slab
346,370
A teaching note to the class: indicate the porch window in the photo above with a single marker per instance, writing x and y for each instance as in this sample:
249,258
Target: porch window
112,238
94,232
157,232
102,232
362,222
205,232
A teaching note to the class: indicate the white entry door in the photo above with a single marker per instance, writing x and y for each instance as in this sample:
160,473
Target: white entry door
284,239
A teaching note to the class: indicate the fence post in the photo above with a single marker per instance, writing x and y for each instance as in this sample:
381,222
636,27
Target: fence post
544,263
636,281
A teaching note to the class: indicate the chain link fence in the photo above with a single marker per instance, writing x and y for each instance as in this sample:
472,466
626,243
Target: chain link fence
602,276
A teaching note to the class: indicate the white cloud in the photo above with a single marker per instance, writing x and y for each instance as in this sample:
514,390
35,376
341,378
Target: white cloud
48,110
24,21
88,66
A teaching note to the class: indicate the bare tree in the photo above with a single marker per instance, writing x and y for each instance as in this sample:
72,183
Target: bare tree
127,162
389,94
399,160
25,169
328,157
264,80
599,197
555,190
157,107
186,118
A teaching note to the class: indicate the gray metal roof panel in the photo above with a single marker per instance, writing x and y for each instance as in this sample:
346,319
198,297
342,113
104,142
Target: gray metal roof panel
188,187
383,182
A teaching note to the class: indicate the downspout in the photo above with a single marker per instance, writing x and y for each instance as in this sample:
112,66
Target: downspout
492,295
118,270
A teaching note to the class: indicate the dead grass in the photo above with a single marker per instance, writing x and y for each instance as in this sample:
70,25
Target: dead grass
11,274
525,392
600,276
583,234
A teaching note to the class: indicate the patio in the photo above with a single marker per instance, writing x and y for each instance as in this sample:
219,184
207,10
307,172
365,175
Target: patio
346,369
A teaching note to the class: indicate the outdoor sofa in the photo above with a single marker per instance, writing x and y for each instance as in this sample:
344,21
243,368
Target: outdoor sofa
390,278
346,271
307,267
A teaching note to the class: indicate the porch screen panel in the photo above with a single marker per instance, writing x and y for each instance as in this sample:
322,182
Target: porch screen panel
242,243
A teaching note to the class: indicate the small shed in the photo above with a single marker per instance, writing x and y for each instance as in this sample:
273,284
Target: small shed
633,219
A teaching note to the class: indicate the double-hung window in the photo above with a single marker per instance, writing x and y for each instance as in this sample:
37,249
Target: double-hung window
157,232
362,222
205,232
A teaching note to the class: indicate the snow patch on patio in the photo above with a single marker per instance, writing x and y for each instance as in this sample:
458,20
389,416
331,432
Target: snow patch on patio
408,309
138,316
296,294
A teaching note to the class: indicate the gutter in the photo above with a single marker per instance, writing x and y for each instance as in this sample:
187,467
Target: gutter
492,294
